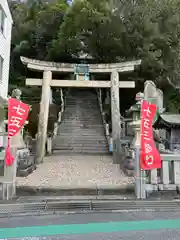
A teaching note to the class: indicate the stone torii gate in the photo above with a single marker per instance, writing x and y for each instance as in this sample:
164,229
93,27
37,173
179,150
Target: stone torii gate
47,82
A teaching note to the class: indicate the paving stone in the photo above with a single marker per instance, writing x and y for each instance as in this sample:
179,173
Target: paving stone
76,171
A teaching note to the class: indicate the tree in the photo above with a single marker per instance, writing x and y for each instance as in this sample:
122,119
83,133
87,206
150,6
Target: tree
36,24
125,30
108,30
84,28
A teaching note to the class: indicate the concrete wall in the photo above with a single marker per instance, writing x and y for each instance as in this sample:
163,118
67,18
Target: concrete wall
5,44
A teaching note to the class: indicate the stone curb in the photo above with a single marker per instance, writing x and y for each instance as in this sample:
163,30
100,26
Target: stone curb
75,198
74,191
37,208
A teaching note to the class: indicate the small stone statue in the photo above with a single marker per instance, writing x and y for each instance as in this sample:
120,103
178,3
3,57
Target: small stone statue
139,96
161,147
16,93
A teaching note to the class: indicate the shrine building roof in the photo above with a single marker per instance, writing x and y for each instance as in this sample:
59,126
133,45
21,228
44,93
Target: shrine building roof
168,120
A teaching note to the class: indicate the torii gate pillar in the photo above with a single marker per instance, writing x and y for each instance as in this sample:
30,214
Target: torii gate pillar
43,116
115,116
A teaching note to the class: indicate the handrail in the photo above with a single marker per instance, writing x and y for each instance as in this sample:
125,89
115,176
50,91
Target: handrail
56,124
105,124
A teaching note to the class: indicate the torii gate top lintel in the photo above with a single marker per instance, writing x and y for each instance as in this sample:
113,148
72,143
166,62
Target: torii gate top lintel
68,67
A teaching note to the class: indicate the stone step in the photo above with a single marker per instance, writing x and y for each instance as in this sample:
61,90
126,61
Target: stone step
74,114
79,124
77,129
80,142
81,137
76,142
60,145
80,133
88,97
82,105
81,150
75,145
82,115
80,129
84,152
74,133
86,119
81,121
72,119
84,102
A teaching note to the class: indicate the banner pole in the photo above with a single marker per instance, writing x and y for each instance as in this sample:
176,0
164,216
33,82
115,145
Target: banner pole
137,127
140,174
17,114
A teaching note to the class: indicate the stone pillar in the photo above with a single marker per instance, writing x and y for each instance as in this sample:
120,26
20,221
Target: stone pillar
150,93
115,115
43,116
17,142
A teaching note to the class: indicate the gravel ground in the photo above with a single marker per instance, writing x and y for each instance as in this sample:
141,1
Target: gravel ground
76,172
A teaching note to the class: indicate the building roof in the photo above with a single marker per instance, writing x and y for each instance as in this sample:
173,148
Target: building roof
171,118
168,120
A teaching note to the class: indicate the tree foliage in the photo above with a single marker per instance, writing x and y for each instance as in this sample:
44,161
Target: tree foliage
36,24
108,30
124,30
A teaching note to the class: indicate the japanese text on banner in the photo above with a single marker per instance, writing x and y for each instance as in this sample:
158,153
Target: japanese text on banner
17,115
150,157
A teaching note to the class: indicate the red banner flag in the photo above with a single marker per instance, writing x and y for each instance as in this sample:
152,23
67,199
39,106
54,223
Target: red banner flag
17,115
9,157
150,157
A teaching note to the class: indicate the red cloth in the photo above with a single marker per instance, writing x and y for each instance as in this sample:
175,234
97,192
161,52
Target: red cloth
150,157
17,115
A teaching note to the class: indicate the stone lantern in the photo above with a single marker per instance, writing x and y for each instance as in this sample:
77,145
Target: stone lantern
134,129
136,144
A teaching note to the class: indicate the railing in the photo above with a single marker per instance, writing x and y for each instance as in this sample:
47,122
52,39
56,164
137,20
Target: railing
166,178
56,125
106,125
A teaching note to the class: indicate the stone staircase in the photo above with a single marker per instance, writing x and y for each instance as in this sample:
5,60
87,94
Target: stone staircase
81,130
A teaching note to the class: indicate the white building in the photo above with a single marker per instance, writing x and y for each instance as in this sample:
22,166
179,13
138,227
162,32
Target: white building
5,45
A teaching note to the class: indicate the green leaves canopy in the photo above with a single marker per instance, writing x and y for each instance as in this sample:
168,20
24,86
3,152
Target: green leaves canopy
108,30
